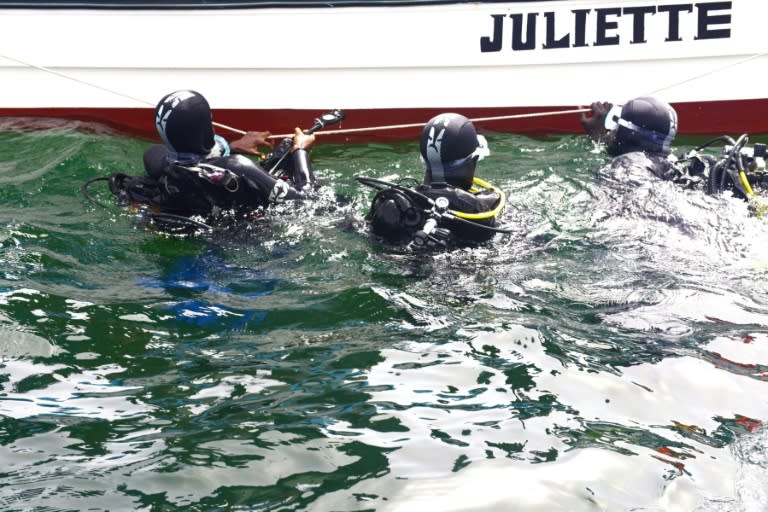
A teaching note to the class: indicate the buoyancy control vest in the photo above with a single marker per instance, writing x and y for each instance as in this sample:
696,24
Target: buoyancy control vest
439,214
232,184
477,206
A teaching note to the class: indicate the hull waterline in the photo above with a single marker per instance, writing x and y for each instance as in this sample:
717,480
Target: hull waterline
362,125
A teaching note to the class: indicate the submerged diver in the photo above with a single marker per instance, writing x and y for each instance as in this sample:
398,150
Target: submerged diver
639,135
197,173
451,206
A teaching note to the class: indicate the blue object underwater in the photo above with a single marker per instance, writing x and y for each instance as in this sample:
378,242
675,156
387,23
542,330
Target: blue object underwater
190,278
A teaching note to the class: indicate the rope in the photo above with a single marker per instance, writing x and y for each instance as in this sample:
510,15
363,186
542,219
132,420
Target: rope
74,79
385,127
96,86
420,125
707,73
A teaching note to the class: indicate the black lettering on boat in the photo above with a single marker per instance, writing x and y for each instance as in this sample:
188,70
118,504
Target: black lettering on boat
707,19
674,11
580,30
563,42
638,21
517,31
606,23
607,26
493,43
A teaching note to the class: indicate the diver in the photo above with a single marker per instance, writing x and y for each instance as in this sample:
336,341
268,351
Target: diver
451,206
197,173
639,135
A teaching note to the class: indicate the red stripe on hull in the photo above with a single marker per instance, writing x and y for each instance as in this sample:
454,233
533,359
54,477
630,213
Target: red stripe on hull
701,118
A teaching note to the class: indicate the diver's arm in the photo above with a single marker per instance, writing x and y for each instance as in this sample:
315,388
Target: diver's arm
249,143
272,190
303,176
278,190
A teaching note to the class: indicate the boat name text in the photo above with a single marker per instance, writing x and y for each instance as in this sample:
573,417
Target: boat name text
713,21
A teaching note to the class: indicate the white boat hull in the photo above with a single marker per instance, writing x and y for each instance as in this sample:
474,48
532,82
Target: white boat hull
274,68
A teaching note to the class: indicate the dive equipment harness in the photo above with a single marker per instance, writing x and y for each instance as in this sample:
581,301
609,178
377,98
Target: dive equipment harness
424,220
739,169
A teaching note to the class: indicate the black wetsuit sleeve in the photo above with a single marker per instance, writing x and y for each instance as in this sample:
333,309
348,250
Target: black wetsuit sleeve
239,184
303,175
261,188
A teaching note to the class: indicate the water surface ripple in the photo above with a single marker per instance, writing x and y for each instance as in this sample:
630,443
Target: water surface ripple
611,354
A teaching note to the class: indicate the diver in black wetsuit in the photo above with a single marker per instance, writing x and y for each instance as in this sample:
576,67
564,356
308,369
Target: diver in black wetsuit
451,206
196,173
638,135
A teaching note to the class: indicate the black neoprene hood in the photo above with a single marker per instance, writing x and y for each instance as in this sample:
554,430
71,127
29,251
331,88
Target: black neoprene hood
184,121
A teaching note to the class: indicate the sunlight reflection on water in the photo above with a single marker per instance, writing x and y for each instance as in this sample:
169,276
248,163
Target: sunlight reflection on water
609,355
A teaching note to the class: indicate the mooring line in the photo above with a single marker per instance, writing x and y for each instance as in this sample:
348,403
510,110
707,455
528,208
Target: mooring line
383,127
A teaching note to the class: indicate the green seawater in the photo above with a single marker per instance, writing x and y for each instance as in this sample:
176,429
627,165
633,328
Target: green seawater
610,354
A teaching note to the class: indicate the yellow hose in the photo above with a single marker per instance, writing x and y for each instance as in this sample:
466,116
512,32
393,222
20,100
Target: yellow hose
745,182
490,213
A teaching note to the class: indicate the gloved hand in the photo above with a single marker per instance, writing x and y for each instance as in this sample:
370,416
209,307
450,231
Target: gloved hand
594,121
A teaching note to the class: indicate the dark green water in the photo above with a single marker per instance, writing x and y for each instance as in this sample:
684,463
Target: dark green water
610,355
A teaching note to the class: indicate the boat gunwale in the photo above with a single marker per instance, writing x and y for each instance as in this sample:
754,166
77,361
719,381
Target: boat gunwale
236,4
